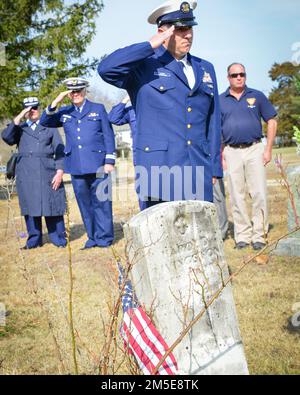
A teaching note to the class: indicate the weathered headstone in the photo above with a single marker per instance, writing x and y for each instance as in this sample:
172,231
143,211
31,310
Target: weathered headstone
291,245
178,264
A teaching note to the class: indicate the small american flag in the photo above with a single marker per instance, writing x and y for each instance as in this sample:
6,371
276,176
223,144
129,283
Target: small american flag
141,337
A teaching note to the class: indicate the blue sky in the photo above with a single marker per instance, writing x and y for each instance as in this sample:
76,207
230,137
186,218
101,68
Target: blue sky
256,33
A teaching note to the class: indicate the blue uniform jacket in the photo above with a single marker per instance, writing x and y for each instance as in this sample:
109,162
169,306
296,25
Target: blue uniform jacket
41,153
121,115
176,126
90,141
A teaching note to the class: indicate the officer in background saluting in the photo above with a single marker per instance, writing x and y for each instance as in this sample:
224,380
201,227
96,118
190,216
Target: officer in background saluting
39,172
175,97
122,114
90,147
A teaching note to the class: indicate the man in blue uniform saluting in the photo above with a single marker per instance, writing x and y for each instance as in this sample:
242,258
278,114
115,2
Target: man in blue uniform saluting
89,157
122,114
175,97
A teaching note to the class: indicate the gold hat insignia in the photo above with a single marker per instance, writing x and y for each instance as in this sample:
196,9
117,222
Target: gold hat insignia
185,7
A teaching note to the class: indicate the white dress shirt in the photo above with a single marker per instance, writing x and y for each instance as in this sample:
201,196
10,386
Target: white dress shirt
188,71
79,109
31,124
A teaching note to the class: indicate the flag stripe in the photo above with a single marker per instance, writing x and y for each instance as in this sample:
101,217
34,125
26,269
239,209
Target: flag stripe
157,340
141,337
138,345
138,354
143,361
137,329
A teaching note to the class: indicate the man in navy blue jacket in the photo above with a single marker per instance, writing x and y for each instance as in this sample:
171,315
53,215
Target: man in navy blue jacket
122,114
89,157
175,97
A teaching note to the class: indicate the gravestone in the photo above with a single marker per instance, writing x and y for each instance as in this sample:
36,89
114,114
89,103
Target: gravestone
178,262
290,246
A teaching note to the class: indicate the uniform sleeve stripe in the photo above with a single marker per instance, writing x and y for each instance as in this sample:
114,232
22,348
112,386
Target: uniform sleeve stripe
50,112
110,156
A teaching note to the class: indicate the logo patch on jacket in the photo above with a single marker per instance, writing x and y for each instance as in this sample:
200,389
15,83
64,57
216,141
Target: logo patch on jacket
251,101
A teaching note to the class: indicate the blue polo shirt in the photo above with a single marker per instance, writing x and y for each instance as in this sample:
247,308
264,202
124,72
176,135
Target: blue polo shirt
241,119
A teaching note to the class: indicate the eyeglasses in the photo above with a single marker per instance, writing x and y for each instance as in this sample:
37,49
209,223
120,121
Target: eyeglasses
35,108
235,75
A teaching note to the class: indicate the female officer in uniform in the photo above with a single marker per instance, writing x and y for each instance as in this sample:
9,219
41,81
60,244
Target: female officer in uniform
39,172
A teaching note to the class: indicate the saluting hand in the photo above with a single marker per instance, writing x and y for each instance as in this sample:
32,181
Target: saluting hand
22,114
159,38
60,98
57,179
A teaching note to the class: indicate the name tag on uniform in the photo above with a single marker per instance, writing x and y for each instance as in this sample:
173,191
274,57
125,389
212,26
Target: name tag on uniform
66,118
161,74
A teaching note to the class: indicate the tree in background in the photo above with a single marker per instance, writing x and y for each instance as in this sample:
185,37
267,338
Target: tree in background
296,128
285,96
45,43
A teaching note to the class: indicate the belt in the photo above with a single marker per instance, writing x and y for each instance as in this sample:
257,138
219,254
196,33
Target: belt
244,145
34,155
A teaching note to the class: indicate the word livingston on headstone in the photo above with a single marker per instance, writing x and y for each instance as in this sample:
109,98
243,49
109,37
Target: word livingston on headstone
176,250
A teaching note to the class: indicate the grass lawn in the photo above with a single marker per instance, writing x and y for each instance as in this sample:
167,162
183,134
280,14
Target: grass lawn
35,284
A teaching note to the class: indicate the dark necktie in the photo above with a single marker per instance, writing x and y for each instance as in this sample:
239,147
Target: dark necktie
181,65
182,68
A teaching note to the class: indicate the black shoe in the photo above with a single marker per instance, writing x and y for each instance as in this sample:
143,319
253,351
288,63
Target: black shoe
29,248
59,245
103,246
240,245
87,248
258,246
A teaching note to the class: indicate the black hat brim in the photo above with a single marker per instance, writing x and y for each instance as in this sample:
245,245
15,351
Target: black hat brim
31,105
184,23
179,22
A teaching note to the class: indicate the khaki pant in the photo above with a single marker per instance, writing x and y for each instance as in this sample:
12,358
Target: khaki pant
246,171
220,203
